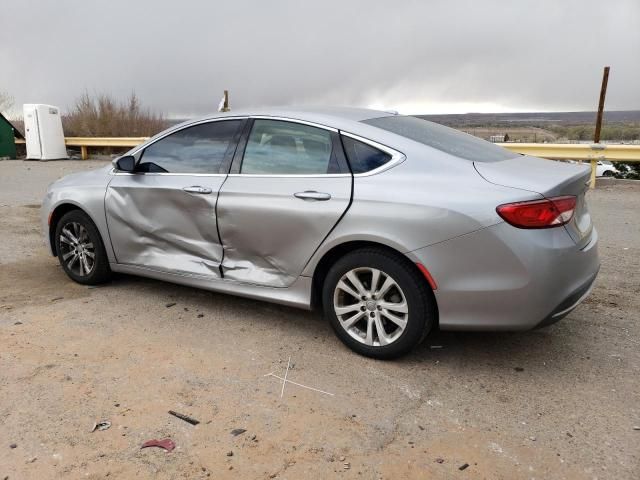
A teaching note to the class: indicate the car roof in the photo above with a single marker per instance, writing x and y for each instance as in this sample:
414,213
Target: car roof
337,117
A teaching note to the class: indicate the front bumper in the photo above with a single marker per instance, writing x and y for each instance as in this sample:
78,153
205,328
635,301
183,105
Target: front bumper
45,212
504,278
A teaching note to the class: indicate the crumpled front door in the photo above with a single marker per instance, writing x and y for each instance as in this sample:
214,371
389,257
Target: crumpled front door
165,222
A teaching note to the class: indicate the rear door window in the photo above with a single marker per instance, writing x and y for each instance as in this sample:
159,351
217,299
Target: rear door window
277,147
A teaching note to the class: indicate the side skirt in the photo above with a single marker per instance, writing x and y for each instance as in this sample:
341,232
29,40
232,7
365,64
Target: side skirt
297,295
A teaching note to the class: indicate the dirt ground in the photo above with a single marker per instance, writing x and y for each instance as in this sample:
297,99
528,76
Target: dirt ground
561,402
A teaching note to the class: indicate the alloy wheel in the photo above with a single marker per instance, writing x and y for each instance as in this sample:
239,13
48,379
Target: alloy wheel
370,306
78,252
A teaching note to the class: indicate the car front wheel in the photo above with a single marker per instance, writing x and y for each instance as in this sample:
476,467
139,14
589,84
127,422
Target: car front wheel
80,249
378,303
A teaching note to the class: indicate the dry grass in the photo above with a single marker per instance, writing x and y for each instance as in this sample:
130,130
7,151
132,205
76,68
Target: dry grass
516,134
103,116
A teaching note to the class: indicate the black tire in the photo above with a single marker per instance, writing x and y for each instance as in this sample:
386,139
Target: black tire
100,271
417,292
608,173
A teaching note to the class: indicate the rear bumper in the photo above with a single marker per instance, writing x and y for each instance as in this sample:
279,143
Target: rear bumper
570,303
504,278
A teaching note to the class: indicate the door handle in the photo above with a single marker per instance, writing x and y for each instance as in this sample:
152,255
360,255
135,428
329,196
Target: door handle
312,195
197,189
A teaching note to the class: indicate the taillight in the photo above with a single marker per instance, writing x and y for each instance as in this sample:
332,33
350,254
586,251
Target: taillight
547,213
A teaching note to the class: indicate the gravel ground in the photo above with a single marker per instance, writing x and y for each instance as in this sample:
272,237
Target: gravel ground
560,402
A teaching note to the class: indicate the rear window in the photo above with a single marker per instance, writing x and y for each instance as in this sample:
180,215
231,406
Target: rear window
442,138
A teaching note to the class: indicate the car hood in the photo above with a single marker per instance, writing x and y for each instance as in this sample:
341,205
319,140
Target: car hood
98,177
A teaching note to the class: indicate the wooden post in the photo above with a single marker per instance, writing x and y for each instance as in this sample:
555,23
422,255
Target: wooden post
592,178
596,134
603,93
84,153
225,106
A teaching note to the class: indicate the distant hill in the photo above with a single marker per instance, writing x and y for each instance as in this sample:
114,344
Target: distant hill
518,119
532,118
560,127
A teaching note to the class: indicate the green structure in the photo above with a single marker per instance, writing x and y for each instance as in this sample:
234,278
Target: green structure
8,135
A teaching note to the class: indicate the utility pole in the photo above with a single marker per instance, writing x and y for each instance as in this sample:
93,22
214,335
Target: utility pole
596,134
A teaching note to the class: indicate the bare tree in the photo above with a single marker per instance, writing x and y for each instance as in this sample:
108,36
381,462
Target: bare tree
6,101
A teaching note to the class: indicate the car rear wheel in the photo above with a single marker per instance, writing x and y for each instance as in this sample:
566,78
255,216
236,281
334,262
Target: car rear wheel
378,303
80,249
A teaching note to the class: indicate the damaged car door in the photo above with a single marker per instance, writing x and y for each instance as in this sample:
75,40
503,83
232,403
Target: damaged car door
288,187
162,216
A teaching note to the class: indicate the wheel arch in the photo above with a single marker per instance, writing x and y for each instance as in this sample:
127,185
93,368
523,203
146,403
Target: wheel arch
338,251
57,213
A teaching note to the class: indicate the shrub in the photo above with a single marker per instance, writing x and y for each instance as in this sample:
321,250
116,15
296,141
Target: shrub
6,101
103,116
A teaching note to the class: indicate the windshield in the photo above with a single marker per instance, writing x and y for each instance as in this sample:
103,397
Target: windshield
442,138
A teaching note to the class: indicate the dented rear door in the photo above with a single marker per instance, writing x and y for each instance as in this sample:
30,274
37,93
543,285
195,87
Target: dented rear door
291,188
163,216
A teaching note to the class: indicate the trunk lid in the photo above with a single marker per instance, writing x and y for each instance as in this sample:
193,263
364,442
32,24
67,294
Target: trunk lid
549,179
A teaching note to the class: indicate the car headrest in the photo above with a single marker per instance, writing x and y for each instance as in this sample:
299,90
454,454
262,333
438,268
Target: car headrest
283,141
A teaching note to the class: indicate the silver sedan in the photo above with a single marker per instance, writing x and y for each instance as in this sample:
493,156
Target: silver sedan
390,225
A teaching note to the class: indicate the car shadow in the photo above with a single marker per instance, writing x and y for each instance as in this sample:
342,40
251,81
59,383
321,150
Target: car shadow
516,350
207,299
533,350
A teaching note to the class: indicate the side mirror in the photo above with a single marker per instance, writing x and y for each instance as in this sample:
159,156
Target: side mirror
126,163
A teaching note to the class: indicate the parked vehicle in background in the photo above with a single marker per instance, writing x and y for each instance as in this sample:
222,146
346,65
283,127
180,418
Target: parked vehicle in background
390,225
605,168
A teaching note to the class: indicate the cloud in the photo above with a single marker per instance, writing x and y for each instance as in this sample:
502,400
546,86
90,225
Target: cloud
415,56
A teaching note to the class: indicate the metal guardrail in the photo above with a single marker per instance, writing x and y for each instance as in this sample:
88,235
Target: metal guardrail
578,151
85,142
104,141
556,151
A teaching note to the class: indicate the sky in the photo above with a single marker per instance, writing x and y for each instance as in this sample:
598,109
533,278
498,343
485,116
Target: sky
416,57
